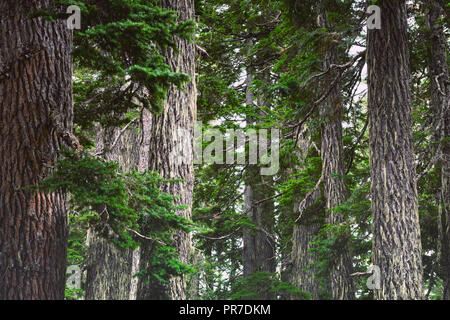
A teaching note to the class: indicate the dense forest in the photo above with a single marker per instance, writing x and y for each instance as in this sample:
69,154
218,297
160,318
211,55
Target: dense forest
224,150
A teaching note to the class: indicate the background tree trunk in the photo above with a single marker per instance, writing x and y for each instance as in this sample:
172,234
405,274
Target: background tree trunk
303,259
171,150
396,231
108,267
35,92
259,253
332,153
259,245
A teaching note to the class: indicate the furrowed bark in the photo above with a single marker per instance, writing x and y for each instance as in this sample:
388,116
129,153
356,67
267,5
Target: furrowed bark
303,259
332,153
35,83
108,270
396,231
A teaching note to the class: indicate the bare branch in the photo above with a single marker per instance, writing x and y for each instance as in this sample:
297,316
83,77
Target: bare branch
307,200
144,237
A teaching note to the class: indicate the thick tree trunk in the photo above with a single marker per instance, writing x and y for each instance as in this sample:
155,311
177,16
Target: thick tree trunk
440,101
171,151
108,270
332,153
108,267
396,232
303,259
35,93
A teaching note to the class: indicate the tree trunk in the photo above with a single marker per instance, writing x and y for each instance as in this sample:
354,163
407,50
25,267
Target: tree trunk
439,82
109,268
258,245
171,151
303,259
396,231
35,93
332,153
194,281
249,248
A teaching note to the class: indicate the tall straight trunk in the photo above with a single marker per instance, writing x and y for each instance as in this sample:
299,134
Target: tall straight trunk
171,151
303,259
440,101
303,272
35,106
258,245
396,233
332,153
108,267
194,281
144,154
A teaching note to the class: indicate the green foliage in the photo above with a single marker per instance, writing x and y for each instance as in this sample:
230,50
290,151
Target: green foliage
126,208
73,294
76,252
119,58
133,71
262,284
113,202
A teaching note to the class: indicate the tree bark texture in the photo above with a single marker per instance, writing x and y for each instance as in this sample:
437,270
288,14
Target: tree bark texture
259,245
303,258
396,231
332,153
35,100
